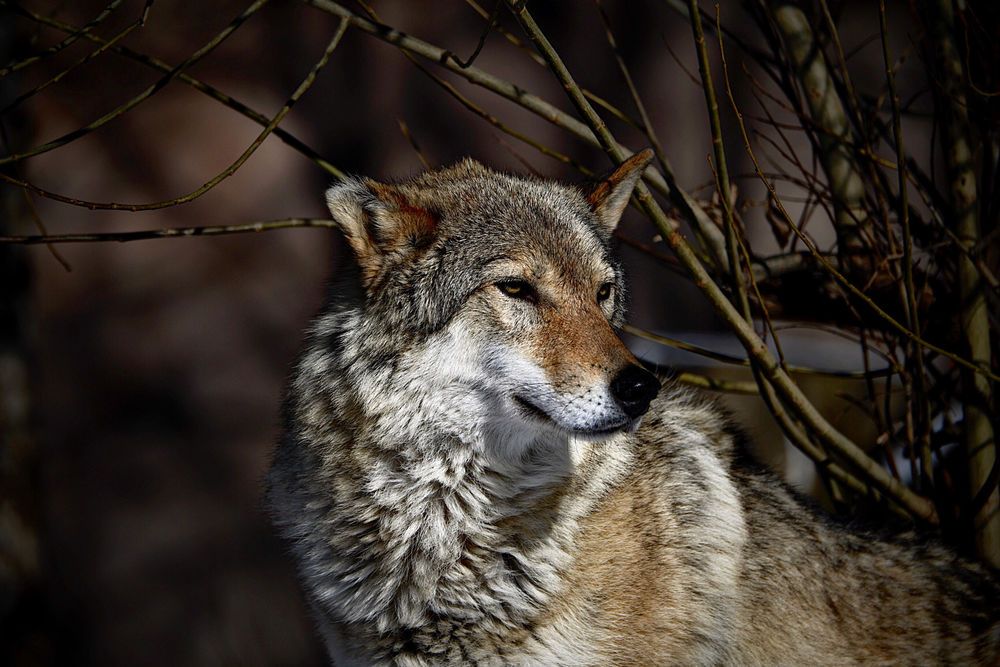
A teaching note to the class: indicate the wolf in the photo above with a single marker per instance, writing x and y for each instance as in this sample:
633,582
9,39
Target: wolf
474,470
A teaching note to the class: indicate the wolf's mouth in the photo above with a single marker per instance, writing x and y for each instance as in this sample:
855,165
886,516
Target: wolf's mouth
536,411
532,409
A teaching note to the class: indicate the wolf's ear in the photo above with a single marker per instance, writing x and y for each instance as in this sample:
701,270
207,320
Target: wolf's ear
609,197
380,224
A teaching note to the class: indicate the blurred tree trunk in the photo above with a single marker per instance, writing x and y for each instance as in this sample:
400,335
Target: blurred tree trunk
23,627
960,161
829,113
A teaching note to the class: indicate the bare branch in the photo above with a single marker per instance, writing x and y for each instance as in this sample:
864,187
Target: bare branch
917,505
87,58
175,232
731,360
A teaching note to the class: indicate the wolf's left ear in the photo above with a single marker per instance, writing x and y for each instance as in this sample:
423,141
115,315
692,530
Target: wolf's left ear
609,197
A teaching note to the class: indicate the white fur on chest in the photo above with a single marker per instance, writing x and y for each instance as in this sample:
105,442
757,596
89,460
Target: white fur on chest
439,471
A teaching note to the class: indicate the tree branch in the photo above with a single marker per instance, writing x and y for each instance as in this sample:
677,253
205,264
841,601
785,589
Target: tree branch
175,232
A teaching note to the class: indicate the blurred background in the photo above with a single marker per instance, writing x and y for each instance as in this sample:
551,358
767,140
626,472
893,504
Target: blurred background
141,380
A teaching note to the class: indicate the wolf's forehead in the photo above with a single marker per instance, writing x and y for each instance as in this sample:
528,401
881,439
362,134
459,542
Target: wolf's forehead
535,228
530,209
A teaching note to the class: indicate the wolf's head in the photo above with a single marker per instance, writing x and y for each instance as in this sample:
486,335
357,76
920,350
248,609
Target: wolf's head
502,287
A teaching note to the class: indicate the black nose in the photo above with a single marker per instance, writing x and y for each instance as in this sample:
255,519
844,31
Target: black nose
634,387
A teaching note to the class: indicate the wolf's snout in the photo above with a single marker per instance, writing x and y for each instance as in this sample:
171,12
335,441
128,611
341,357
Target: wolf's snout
634,387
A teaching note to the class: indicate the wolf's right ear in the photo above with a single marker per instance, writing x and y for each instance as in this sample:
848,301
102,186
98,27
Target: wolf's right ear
609,197
347,203
379,223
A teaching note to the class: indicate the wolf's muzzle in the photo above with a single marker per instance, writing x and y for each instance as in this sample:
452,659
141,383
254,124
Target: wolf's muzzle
633,388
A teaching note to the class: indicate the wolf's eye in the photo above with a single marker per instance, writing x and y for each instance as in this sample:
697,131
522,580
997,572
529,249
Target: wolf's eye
518,289
604,291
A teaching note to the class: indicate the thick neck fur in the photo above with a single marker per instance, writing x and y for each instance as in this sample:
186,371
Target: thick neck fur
435,510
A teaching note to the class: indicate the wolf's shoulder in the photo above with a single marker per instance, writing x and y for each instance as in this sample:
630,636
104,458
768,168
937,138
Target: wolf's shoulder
680,419
687,457
690,447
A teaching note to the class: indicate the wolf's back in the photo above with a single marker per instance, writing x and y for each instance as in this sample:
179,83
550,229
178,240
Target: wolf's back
813,582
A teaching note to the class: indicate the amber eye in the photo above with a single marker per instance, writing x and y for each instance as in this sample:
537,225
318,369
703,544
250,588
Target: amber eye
518,289
604,291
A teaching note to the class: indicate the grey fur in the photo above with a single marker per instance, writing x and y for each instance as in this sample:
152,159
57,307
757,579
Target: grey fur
435,520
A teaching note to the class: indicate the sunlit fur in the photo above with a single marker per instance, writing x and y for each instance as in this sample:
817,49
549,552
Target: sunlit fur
459,486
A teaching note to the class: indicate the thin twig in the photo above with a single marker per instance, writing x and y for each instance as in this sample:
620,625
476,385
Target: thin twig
716,384
413,142
720,168
709,233
744,362
506,34
69,40
915,356
612,109
174,232
37,219
852,98
87,58
490,24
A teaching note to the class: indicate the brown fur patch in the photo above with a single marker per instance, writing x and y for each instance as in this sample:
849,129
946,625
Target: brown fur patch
578,344
405,226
